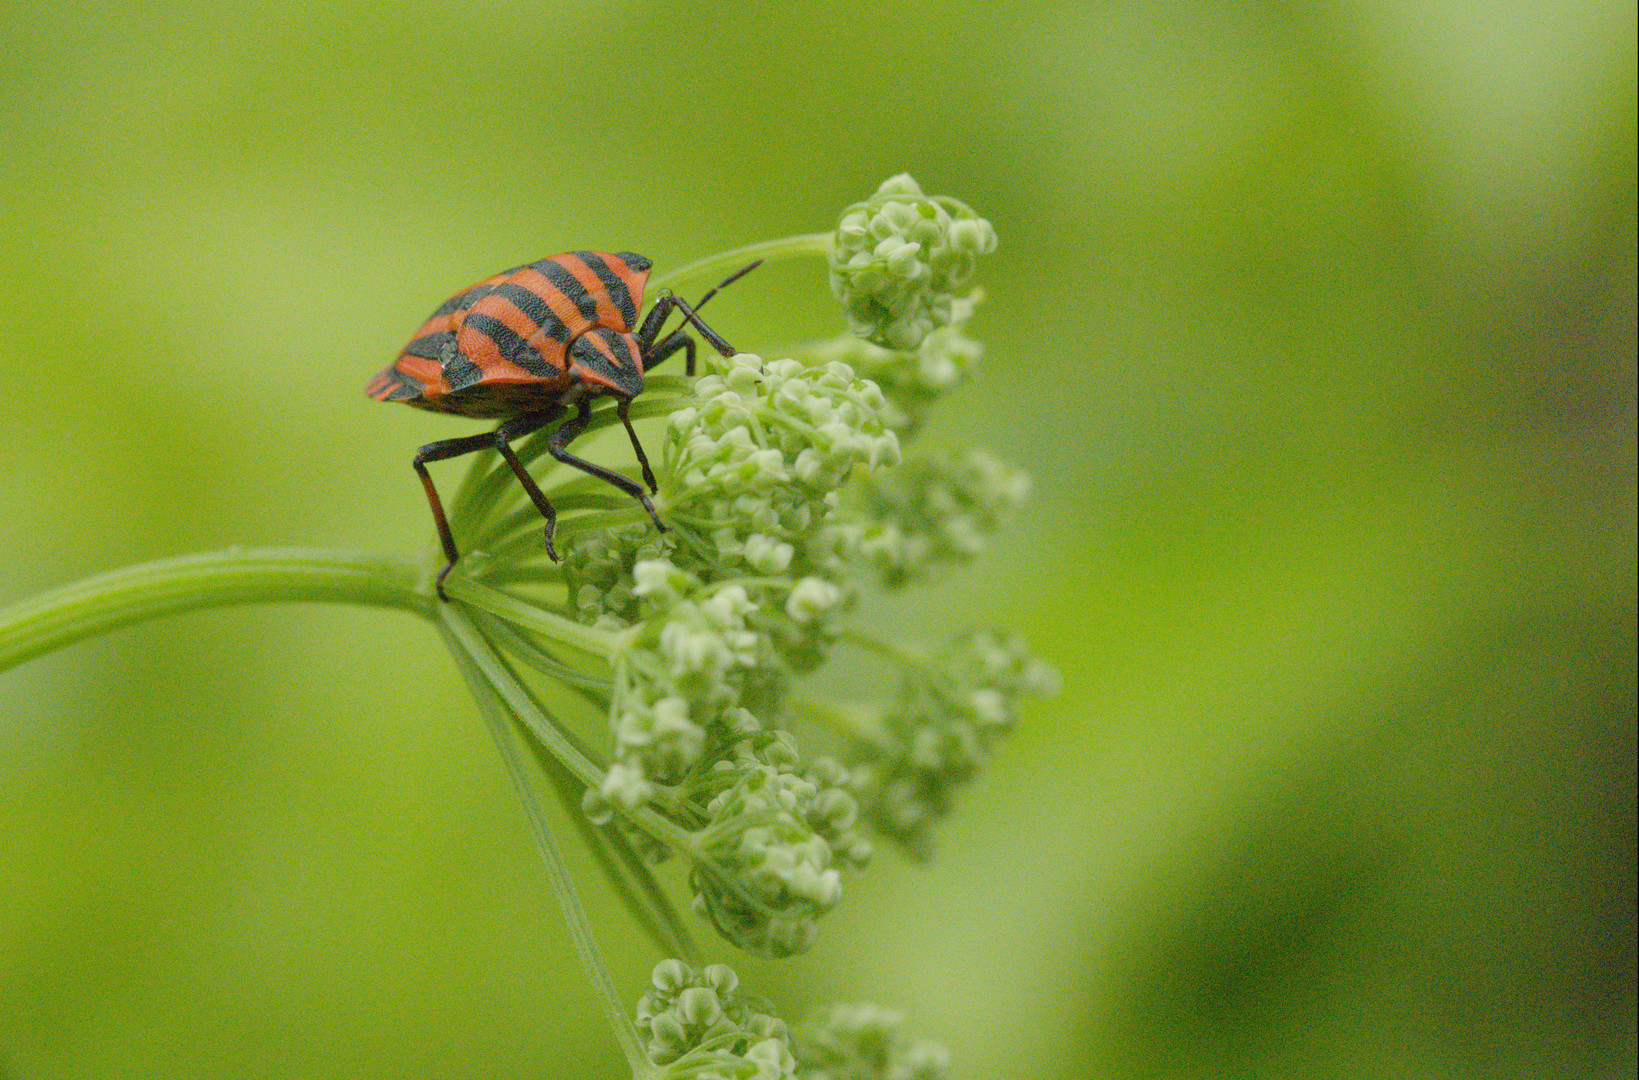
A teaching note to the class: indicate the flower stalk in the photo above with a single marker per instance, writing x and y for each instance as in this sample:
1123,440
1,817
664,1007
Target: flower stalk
134,594
498,713
726,262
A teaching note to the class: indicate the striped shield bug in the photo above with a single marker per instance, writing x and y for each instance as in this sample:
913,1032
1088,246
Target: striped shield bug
528,345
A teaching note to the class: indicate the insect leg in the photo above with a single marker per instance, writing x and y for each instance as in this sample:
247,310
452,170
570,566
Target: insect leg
713,338
622,410
574,426
440,451
652,323
517,428
662,351
663,308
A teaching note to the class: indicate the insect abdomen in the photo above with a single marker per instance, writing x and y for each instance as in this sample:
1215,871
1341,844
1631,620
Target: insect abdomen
500,344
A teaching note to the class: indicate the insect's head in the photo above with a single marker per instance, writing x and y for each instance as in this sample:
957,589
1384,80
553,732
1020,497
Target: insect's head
608,361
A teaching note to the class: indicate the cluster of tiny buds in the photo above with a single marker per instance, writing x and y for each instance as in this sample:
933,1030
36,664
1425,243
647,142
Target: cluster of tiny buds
700,1026
901,259
911,760
776,838
741,595
749,580
937,512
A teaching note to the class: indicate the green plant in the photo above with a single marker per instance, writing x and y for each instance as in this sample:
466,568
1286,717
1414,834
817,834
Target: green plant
788,492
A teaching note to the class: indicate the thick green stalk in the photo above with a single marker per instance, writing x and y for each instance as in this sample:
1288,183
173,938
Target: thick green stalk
135,594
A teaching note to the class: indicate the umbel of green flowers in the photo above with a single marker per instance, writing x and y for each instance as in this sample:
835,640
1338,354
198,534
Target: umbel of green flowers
661,681
792,489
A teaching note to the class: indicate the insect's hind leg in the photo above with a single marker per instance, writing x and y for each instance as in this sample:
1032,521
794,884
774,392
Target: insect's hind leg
442,451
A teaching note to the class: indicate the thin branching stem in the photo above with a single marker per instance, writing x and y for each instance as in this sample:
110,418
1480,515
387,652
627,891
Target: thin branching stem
726,262
893,652
555,627
499,717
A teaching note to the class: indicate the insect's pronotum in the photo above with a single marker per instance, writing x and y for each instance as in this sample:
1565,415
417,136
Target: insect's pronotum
527,345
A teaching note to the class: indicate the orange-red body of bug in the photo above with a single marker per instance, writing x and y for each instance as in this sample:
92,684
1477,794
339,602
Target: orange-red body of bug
530,338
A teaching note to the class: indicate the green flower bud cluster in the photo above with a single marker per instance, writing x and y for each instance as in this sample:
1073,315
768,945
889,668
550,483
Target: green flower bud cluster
753,468
678,684
912,380
901,259
748,575
937,512
949,714
931,513
717,616
775,842
698,1026
866,1042
598,572
695,657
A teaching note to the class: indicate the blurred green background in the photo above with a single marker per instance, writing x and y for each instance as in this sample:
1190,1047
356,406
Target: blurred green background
1314,322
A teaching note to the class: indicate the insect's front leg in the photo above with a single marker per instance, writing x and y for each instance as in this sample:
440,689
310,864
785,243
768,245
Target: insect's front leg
713,338
656,319
662,351
663,308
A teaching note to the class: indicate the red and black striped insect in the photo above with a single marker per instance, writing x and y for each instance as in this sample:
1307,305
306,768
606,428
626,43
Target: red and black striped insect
527,345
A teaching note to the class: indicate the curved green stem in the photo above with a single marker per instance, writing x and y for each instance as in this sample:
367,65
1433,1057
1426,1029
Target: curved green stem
135,594
487,673
488,679
882,648
588,639
724,262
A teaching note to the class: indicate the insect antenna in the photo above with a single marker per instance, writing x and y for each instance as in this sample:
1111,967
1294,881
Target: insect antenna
731,279
670,300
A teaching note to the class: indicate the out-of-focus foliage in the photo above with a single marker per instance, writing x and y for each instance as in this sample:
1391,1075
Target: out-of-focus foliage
1315,324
